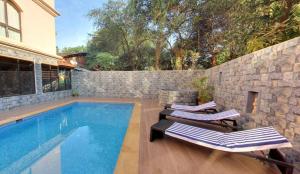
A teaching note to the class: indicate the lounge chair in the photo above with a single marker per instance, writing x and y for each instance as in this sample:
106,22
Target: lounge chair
259,139
206,107
222,117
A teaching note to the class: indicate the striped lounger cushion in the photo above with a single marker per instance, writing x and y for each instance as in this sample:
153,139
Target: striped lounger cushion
210,105
241,141
205,117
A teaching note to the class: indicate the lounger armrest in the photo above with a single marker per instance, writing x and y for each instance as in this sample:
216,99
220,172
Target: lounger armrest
167,106
163,114
158,129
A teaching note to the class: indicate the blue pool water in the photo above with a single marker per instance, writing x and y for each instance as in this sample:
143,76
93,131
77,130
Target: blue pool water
83,138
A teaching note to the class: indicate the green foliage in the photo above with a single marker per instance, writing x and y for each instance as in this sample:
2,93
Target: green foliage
260,23
157,34
223,56
75,93
255,44
205,90
72,50
102,61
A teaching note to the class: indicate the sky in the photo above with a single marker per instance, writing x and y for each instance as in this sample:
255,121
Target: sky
72,26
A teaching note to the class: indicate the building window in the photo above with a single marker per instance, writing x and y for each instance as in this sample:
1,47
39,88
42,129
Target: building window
55,78
16,77
10,23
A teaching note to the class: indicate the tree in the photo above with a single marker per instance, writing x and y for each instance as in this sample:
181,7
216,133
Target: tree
119,33
254,25
187,34
156,15
72,50
102,61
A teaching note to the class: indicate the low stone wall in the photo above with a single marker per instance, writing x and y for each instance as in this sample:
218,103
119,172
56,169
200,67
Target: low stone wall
184,97
7,103
131,84
270,78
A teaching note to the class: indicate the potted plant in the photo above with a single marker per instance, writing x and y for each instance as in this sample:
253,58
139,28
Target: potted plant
75,93
205,91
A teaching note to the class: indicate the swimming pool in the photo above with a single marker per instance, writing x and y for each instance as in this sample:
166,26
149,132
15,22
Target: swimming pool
76,138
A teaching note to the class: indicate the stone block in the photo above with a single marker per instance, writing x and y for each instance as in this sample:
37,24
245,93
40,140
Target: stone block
297,130
298,58
282,99
287,92
297,119
275,76
285,83
286,67
266,96
264,77
282,124
284,108
293,101
296,110
297,92
273,69
296,83
297,67
291,119
289,133
288,76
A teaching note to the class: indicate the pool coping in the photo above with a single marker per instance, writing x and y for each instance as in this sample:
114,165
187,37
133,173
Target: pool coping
128,159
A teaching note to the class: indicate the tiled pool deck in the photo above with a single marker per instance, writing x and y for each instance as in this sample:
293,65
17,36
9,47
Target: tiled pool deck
164,156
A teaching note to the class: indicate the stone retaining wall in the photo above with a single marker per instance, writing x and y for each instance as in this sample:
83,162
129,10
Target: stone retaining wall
131,84
264,86
273,75
7,103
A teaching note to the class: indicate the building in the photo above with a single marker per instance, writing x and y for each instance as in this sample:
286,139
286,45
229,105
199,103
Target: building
78,59
30,69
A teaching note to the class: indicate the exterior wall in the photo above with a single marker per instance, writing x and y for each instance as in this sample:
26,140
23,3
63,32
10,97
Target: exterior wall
50,3
131,84
274,73
7,103
37,27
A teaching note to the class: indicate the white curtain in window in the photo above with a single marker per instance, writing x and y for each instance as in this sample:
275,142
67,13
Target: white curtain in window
13,17
2,18
14,35
2,32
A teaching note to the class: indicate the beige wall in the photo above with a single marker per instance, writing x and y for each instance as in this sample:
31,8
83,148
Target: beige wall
38,27
51,3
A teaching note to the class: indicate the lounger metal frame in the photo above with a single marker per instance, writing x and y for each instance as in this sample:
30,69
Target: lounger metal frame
226,123
209,110
274,156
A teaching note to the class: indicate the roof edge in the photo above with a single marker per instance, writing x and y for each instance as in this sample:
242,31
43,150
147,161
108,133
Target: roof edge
47,7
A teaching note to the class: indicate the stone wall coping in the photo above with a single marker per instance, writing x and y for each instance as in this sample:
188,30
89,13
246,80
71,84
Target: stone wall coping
179,90
147,71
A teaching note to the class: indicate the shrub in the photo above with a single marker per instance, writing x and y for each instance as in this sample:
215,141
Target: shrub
204,89
75,93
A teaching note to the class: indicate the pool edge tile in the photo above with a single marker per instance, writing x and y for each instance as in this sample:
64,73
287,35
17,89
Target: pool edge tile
128,161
